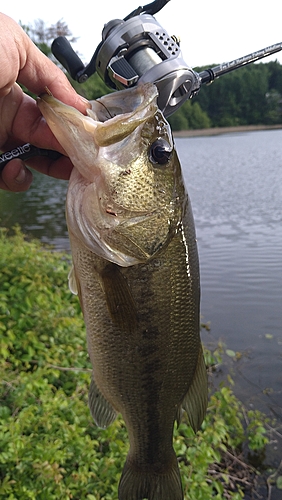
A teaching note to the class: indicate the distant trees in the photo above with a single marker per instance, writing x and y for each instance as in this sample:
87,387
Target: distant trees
190,116
251,95
43,35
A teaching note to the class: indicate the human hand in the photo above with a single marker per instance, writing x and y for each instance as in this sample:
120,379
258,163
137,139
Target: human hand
20,119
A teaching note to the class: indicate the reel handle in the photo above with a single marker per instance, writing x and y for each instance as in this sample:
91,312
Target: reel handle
65,54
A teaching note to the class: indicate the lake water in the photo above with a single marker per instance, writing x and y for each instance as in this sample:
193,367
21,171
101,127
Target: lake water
235,184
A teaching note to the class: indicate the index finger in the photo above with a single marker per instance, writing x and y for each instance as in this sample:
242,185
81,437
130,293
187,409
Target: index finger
38,72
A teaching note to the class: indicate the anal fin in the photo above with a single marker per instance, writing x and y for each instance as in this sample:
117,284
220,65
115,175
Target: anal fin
101,410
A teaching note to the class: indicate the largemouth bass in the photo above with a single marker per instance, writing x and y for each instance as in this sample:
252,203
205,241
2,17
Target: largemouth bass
135,269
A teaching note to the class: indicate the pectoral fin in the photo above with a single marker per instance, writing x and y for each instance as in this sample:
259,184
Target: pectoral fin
72,281
119,298
74,286
196,400
101,410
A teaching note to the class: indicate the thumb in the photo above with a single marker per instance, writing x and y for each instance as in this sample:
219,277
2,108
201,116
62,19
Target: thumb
15,177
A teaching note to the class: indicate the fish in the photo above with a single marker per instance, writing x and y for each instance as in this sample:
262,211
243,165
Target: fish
136,272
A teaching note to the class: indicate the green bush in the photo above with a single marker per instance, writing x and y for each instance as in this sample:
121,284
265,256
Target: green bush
49,445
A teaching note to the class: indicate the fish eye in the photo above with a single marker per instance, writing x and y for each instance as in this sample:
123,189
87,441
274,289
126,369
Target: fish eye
160,152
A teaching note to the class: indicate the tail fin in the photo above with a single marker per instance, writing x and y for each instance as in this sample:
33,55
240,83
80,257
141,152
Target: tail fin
138,484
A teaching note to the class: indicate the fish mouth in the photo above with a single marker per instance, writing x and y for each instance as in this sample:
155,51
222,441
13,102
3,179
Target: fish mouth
113,116
109,120
129,102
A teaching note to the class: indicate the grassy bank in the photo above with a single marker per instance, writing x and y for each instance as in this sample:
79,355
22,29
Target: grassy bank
49,446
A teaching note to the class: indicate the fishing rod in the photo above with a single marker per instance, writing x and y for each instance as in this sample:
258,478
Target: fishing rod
25,152
133,50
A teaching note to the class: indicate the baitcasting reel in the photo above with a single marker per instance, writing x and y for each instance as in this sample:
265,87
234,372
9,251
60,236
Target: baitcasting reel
138,49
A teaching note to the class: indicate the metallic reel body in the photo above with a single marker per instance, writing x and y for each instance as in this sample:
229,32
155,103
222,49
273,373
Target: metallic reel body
140,50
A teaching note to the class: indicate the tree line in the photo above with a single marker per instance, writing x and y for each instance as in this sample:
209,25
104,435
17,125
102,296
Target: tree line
251,95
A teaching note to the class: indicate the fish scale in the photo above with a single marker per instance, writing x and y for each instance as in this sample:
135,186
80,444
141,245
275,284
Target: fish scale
136,271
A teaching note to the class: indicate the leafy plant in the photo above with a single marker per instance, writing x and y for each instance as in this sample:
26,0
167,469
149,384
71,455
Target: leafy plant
49,445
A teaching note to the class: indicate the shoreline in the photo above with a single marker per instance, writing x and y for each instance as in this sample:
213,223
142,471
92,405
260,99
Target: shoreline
224,130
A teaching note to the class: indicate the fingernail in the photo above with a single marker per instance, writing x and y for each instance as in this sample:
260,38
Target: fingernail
85,103
83,99
21,175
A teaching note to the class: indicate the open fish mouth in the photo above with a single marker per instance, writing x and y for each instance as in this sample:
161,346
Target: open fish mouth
122,103
113,117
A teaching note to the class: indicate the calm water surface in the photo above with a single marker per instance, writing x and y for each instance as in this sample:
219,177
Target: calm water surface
235,184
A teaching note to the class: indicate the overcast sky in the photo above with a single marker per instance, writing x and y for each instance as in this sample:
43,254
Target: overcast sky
210,31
